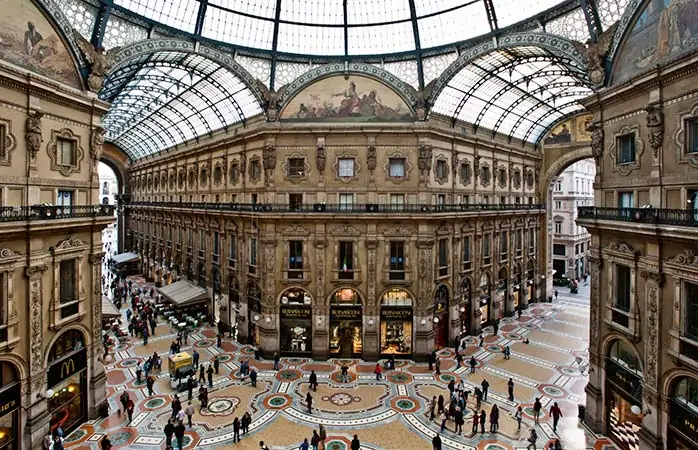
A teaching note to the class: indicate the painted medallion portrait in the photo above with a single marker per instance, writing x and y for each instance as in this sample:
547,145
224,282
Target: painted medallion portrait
354,98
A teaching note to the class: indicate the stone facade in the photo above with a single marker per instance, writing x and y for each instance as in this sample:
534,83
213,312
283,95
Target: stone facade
324,187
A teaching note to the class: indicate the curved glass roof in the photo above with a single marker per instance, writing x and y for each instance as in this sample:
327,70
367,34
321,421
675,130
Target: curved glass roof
166,98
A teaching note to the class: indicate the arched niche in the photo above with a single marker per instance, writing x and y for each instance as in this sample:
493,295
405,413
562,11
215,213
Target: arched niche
67,380
345,297
485,299
623,391
465,304
295,296
254,312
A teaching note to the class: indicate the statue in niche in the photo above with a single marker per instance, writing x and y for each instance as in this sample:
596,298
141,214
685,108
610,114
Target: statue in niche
100,62
98,142
424,162
320,158
33,134
268,162
595,52
371,158
597,136
655,127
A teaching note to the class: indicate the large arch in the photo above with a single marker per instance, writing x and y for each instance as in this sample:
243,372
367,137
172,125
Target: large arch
611,338
670,377
18,363
86,335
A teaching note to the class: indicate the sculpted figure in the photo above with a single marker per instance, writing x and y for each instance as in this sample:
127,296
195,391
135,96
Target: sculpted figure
98,142
655,127
272,99
100,61
594,53
33,134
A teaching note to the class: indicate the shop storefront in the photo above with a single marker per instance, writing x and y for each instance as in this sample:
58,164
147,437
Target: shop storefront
67,382
683,415
396,324
296,322
623,395
254,313
501,295
441,326
485,301
10,401
346,325
464,306
530,278
516,290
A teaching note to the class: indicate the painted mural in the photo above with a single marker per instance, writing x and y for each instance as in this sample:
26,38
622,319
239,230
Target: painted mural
355,98
29,41
581,125
561,134
664,30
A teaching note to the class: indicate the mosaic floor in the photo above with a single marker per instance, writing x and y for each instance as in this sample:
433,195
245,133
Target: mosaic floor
387,415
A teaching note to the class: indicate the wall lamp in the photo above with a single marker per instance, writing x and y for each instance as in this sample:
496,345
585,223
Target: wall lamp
637,411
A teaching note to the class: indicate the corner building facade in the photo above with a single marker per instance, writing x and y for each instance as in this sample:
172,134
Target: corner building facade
345,239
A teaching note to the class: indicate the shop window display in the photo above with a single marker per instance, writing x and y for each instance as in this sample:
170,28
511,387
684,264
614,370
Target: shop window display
485,300
683,415
396,323
10,401
345,324
67,381
296,322
441,317
624,395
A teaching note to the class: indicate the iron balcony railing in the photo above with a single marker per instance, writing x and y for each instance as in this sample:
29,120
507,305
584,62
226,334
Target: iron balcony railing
50,212
654,216
355,208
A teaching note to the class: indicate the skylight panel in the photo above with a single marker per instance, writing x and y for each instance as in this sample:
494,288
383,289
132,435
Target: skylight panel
454,26
510,12
311,40
179,14
318,12
393,38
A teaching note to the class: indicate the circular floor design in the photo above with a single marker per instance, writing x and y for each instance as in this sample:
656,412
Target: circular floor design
221,406
400,378
288,375
341,399
120,437
277,401
75,436
404,405
154,403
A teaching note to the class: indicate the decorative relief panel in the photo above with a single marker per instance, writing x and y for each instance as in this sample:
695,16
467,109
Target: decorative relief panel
685,154
629,167
9,142
52,148
35,273
345,231
621,248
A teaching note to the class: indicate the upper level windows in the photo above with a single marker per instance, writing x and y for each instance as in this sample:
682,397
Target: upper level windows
625,146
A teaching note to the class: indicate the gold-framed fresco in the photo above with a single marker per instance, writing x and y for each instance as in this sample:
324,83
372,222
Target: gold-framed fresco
571,130
353,98
28,40
561,134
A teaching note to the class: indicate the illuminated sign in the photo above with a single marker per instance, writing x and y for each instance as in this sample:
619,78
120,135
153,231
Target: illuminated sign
295,312
345,313
396,313
628,382
10,399
683,420
66,367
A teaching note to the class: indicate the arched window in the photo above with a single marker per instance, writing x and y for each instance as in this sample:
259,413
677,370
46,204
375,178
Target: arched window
396,297
69,342
686,393
296,296
624,355
8,374
346,296
464,289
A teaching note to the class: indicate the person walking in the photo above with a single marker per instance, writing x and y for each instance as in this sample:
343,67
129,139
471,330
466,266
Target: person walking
216,364
555,413
245,422
494,419
276,361
312,381
195,358
536,409
556,294
436,442
355,444
510,388
129,410
437,364
444,419
190,388
209,372
262,446
305,445
105,443
323,436
483,419
149,382
432,407
473,362
476,421
315,440
189,411
458,419
176,406
532,439
378,371
236,430
345,373
253,378
518,415
202,374
179,435
169,431
485,387
309,402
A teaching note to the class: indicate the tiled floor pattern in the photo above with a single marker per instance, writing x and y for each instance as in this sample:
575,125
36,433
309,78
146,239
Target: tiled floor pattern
389,414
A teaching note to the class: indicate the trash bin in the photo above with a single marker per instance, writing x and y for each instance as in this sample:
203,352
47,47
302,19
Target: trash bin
581,410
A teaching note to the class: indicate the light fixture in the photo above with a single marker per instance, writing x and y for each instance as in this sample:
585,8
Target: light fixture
371,321
319,320
635,410
424,321
462,309
436,320
255,318
267,319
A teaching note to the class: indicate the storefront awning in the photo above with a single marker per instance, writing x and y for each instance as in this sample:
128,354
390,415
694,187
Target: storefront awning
109,311
184,293
122,258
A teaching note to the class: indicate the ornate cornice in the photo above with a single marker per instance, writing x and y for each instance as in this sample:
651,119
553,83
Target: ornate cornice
33,271
657,277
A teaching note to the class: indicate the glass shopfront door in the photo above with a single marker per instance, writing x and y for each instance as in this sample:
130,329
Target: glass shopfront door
396,331
296,329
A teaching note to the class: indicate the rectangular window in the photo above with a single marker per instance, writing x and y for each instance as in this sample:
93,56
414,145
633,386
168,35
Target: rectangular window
397,260
67,280
396,167
345,167
440,169
626,200
397,202
504,245
558,227
64,198
216,249
441,199
465,199
576,249
559,249
531,240
3,148
190,240
622,283
234,173
692,135
256,171
502,200
467,263
519,242
252,268
625,145
296,167
232,251
202,243
346,202
486,251
295,260
3,306
502,173
558,204
581,247
690,301
346,260
443,257
295,201
66,152
558,186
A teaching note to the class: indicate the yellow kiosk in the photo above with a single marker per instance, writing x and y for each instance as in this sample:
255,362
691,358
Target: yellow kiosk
180,366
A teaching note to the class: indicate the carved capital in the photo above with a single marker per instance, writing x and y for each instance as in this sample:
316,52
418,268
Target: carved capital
653,277
35,271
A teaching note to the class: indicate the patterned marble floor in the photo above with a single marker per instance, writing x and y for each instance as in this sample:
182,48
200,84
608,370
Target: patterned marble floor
387,415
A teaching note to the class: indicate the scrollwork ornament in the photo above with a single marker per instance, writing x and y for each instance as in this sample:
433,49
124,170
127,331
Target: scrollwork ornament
320,159
35,326
371,158
650,376
371,274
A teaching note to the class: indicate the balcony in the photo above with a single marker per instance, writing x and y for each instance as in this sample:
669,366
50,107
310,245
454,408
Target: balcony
647,216
50,212
338,208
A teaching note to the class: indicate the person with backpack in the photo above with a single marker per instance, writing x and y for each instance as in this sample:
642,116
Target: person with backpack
532,439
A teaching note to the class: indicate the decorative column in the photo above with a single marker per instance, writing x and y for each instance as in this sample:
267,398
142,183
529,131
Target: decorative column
268,323
371,320
37,419
475,315
423,320
320,311
456,266
594,404
98,379
652,424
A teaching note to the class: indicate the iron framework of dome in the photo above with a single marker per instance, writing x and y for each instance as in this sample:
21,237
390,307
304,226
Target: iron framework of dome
166,98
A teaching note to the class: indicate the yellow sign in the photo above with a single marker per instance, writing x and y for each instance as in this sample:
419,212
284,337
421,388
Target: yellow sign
67,368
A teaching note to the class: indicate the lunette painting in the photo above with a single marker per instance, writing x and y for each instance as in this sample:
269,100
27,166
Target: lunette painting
354,98
561,134
28,40
665,29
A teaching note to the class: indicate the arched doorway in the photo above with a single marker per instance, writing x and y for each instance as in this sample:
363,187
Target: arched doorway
254,313
516,289
441,327
10,403
623,392
396,323
67,381
218,306
346,325
485,300
683,414
201,279
530,282
502,299
465,293
296,322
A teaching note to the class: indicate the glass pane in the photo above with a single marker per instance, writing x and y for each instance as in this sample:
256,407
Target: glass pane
387,38
237,29
179,14
510,12
311,40
451,27
324,12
